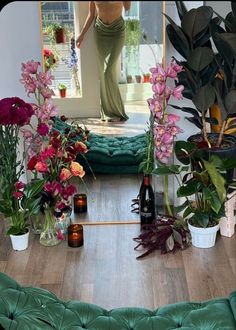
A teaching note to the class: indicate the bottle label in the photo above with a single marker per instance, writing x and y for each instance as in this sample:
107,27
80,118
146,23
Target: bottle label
145,214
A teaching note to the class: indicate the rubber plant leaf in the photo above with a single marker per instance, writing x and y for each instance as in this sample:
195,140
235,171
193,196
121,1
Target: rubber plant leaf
196,20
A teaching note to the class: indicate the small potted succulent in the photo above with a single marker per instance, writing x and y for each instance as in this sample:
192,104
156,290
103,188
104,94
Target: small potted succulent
62,90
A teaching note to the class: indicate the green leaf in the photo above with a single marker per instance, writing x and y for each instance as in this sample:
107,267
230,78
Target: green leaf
187,211
230,102
200,57
216,204
196,20
204,98
200,218
217,180
188,189
181,8
181,207
177,37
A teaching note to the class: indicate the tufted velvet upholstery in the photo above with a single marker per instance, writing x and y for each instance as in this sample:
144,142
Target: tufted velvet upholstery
28,308
115,155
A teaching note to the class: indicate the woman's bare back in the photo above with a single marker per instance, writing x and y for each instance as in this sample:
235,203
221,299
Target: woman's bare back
109,11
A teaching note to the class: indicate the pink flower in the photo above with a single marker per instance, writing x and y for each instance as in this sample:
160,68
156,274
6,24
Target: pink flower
47,92
49,152
41,167
167,138
158,88
19,185
65,174
172,118
30,67
177,92
18,194
77,169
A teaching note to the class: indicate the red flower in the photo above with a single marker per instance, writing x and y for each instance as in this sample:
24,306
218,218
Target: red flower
31,163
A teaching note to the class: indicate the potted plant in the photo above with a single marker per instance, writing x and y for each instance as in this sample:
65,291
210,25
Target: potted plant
209,54
132,42
62,89
203,189
56,32
18,209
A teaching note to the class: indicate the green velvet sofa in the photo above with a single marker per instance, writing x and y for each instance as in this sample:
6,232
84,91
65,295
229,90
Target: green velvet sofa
28,308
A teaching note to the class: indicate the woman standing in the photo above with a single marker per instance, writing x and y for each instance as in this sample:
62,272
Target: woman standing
109,35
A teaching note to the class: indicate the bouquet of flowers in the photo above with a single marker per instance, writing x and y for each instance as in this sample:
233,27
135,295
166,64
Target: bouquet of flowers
52,153
16,199
50,59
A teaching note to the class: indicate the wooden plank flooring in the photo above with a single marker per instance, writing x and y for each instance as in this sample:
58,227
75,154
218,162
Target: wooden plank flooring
105,270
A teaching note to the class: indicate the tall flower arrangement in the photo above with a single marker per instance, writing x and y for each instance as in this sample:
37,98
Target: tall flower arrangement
163,127
17,200
52,154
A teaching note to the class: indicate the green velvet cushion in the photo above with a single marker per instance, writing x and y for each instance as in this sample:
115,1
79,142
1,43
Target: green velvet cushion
29,308
106,154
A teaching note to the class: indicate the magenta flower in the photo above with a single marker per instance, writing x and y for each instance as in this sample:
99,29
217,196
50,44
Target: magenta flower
15,111
42,129
172,118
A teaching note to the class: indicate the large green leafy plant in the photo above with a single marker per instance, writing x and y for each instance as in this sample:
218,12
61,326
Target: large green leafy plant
209,57
202,186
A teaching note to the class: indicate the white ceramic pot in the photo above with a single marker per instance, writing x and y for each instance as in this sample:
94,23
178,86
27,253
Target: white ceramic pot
203,237
20,242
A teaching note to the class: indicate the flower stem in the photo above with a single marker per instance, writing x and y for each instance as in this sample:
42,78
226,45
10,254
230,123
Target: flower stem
166,195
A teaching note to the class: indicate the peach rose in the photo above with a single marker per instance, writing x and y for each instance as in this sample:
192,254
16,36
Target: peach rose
41,167
77,169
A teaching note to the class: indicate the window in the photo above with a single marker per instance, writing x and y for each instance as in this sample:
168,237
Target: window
59,49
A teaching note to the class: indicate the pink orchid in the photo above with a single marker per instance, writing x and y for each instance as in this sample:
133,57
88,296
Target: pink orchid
30,67
177,92
47,92
172,118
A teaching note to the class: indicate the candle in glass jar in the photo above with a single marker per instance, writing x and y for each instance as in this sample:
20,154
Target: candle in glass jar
80,203
75,235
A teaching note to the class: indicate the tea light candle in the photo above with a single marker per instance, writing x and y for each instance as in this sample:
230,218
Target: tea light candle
80,203
75,235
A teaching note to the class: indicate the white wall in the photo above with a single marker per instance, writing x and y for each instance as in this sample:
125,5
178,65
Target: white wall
20,41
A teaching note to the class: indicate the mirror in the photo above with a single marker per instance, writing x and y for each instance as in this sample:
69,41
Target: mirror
110,195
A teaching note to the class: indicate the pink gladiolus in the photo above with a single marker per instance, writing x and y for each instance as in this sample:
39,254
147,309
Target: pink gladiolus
177,92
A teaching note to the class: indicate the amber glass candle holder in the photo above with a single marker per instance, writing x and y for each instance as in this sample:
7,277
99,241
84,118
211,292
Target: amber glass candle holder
75,235
80,203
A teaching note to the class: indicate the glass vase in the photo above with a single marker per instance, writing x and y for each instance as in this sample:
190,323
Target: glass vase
63,220
37,222
48,236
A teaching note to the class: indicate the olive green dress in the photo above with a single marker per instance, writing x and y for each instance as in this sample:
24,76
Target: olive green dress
109,39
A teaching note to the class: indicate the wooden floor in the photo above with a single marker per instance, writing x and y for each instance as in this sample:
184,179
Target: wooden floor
105,270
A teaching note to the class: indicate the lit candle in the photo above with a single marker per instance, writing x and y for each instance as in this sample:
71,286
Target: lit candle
80,203
75,235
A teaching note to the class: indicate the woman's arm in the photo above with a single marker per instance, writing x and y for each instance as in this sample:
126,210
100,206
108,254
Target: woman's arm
127,5
87,23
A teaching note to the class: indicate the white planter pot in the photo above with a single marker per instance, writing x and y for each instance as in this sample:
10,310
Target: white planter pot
20,242
203,237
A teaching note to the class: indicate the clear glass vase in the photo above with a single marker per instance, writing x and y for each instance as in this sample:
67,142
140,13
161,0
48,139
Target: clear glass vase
63,220
48,236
